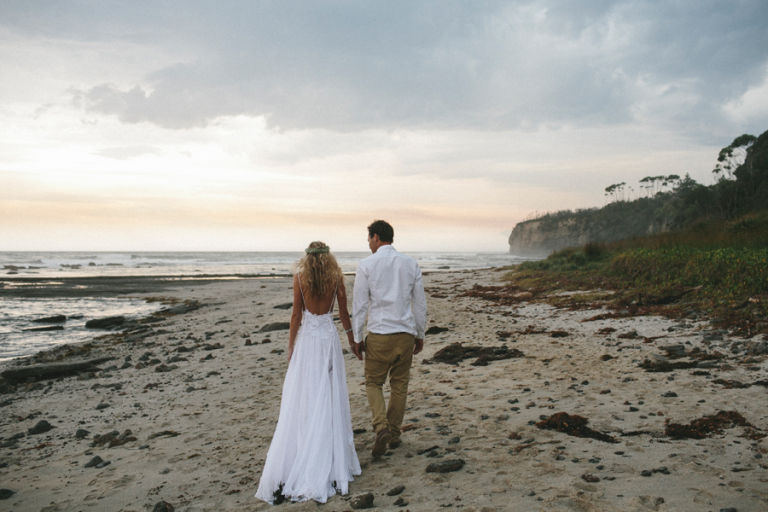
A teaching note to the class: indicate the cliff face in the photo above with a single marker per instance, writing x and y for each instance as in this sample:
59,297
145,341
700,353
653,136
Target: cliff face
540,237
537,238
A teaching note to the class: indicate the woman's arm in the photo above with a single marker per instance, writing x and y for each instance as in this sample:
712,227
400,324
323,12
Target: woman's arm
298,308
341,298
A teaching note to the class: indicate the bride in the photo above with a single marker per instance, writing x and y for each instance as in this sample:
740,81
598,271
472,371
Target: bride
312,455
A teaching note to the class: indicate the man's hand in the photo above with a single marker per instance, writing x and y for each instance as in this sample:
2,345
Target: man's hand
418,346
357,349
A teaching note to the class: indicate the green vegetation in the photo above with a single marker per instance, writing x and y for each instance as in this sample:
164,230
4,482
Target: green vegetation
715,265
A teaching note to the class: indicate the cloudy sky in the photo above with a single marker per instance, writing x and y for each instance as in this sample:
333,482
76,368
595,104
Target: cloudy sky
261,125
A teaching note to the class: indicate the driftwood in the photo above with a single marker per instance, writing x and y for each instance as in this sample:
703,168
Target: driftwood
50,370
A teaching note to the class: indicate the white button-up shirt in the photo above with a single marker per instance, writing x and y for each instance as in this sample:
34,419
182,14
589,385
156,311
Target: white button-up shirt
388,287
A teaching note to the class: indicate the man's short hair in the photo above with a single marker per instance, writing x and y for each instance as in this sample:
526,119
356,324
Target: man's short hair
383,229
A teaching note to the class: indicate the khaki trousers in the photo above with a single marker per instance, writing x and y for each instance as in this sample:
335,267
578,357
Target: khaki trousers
388,354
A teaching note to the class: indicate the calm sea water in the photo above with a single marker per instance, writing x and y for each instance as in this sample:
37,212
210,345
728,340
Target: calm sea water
18,314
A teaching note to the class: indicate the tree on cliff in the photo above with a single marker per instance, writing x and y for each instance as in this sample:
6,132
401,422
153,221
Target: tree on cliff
672,203
733,155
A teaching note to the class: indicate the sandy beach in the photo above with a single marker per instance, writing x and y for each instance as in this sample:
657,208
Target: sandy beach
184,410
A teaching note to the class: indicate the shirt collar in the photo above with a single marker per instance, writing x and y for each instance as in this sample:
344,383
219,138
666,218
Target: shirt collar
386,247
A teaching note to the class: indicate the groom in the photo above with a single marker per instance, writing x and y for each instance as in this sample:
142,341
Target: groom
388,289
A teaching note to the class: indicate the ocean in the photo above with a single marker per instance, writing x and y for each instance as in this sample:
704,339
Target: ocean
41,270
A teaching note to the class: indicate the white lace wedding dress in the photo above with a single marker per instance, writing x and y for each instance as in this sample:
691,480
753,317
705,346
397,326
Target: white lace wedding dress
312,455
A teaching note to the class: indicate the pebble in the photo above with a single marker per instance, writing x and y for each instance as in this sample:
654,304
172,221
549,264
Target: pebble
163,506
400,502
41,427
97,462
362,501
6,493
81,433
445,466
396,490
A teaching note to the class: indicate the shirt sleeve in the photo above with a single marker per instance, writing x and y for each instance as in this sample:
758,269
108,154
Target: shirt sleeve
419,305
360,300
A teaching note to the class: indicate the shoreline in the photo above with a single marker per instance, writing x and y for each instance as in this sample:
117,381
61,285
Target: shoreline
192,399
113,286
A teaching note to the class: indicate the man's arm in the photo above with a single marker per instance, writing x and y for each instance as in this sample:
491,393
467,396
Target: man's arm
419,301
360,301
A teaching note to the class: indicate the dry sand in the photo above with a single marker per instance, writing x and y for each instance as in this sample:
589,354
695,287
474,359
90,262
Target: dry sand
199,432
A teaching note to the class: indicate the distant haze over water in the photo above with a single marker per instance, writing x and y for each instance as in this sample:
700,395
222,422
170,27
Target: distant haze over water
81,264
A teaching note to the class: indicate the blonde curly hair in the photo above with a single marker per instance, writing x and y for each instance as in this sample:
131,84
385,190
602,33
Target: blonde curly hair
319,273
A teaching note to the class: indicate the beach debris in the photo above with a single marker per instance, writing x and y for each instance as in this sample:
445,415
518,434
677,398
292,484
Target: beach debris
112,439
50,370
396,490
55,319
6,493
164,433
731,384
573,425
109,322
400,502
650,472
362,501
164,506
589,477
658,363
81,433
41,427
674,351
559,334
45,329
532,329
757,348
446,466
286,305
456,352
436,330
427,450
502,295
97,462
706,426
275,326
180,309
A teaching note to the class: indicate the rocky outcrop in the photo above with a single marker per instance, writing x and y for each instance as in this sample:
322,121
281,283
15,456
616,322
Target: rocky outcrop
537,238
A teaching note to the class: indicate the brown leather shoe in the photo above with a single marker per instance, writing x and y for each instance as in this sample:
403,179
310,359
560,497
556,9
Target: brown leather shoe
380,446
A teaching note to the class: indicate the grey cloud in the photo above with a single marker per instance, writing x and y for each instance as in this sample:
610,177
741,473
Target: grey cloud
345,65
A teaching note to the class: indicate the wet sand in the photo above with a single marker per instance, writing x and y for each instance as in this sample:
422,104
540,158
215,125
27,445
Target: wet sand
189,402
